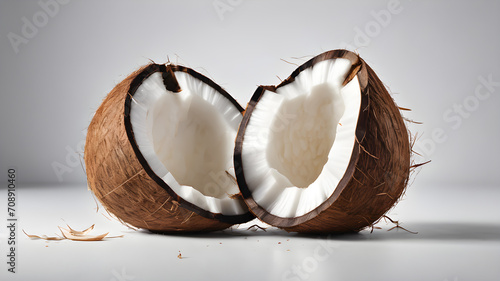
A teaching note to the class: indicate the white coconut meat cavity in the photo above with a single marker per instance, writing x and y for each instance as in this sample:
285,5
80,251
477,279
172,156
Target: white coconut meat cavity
187,138
306,147
301,146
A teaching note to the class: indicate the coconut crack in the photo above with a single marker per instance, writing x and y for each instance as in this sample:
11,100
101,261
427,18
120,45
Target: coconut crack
169,80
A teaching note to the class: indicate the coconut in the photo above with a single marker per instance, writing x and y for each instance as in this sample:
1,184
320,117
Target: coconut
325,151
159,152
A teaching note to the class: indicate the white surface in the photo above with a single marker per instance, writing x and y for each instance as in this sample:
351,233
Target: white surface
458,239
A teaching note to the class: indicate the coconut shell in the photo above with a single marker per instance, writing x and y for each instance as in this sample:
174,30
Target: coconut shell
380,163
122,180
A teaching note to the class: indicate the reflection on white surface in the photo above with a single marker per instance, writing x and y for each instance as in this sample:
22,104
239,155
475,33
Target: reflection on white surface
458,237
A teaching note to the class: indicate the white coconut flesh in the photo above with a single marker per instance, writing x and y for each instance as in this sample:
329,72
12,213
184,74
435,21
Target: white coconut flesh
187,139
298,142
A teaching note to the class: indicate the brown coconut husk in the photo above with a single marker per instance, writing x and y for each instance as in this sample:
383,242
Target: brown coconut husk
122,180
380,164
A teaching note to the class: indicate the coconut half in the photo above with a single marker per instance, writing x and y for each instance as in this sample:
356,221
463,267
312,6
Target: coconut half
159,152
324,151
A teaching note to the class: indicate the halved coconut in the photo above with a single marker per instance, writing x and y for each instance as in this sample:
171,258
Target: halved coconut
324,151
159,152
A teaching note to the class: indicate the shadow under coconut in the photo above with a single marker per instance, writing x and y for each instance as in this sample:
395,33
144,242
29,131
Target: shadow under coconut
228,233
438,231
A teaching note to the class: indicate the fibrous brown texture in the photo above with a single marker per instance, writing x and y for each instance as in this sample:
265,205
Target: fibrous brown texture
380,162
382,169
123,183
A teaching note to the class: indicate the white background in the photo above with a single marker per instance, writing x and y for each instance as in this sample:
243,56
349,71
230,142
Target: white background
432,55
